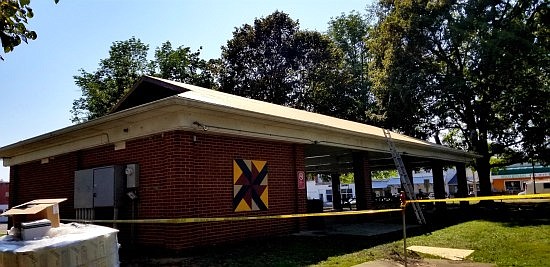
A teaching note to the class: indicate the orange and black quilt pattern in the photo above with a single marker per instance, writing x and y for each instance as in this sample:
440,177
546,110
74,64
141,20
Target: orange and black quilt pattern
250,185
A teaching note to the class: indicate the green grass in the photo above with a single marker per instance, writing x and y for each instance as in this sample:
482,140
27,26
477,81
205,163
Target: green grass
505,234
493,242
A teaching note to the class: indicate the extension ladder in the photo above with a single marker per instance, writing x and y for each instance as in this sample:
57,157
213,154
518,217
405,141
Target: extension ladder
409,188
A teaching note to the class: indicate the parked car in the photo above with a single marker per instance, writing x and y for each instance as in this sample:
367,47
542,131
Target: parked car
350,203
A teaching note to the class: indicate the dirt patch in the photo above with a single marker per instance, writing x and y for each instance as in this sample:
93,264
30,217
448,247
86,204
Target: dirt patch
423,263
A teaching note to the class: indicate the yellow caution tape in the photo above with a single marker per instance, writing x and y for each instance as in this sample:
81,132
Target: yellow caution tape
223,219
303,215
508,197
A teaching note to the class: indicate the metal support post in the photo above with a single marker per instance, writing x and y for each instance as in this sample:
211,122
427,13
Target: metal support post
403,209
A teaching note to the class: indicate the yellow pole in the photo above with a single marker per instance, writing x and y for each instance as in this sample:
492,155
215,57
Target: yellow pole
403,208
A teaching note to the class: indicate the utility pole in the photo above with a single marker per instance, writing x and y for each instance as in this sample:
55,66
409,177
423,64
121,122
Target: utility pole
474,186
534,179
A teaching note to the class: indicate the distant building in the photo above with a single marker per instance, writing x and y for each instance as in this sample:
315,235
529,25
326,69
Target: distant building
423,183
324,191
451,182
512,179
4,192
4,197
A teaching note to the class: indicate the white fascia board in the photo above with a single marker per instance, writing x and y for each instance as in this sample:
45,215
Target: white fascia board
311,132
176,113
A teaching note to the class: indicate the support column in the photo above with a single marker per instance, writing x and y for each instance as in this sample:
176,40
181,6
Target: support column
363,181
409,169
336,196
13,190
439,182
300,194
14,186
462,190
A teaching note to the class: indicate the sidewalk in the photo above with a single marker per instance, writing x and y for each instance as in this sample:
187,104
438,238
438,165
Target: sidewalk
452,257
362,229
424,263
376,229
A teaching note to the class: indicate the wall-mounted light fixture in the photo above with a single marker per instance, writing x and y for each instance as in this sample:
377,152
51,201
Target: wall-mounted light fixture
204,127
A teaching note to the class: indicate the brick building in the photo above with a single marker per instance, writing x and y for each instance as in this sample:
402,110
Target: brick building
4,198
171,150
4,192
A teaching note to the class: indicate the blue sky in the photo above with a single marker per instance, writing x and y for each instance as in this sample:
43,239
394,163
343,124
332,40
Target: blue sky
36,79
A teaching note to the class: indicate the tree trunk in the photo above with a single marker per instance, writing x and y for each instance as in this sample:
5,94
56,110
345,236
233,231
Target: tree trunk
483,166
483,170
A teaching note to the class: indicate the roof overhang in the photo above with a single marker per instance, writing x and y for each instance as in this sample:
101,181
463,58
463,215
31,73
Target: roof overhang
197,109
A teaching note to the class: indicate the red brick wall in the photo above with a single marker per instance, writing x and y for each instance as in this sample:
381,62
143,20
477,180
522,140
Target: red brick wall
213,178
363,181
4,189
51,180
180,177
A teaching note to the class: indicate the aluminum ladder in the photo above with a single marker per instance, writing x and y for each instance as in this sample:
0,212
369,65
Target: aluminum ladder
409,188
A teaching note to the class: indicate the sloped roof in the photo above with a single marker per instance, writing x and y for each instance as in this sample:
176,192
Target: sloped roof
379,184
212,97
155,105
416,180
521,169
255,106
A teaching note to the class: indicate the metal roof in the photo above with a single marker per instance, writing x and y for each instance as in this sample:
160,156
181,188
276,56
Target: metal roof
155,105
261,107
302,117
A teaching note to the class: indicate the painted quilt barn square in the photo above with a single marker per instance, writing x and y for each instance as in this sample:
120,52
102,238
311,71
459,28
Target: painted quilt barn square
250,185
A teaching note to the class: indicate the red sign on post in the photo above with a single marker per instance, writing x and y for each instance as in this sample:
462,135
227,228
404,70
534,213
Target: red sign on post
301,180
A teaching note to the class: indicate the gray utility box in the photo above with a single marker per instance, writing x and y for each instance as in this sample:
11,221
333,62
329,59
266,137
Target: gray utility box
98,187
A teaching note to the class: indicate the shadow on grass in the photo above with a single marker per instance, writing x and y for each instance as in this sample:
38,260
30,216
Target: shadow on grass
274,251
307,250
510,214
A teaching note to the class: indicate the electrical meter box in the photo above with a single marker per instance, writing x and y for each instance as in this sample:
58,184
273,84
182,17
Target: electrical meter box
98,187
132,175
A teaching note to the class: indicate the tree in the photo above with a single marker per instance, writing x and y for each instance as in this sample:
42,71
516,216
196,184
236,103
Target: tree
102,89
349,33
274,61
321,79
14,15
127,62
385,174
347,178
479,67
182,65
259,62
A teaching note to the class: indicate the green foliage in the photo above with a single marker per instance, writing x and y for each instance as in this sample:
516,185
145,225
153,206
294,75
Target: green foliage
126,63
182,65
347,178
499,162
102,89
14,15
385,174
273,60
349,33
322,86
260,61
478,67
